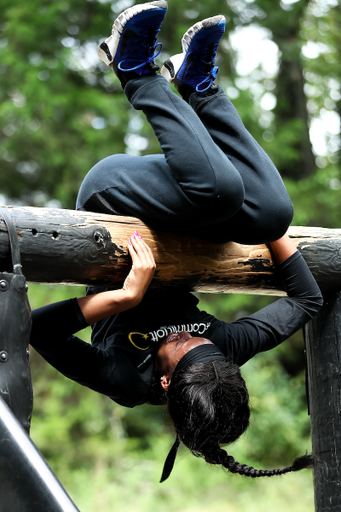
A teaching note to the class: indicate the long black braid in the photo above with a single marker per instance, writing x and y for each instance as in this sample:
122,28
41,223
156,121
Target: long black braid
228,462
209,405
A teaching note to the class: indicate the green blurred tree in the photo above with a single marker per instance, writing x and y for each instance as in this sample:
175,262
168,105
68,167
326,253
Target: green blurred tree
55,120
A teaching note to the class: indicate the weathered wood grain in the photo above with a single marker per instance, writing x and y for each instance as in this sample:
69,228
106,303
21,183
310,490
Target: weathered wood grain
71,247
323,341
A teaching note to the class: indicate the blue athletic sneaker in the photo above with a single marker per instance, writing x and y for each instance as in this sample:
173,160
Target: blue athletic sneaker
133,41
195,67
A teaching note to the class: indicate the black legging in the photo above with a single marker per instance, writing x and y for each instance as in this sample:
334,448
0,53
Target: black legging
213,180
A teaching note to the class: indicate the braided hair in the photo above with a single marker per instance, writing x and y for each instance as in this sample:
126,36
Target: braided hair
209,405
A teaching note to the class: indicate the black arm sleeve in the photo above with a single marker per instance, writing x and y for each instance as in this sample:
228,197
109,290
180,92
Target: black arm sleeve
275,323
53,327
59,320
105,371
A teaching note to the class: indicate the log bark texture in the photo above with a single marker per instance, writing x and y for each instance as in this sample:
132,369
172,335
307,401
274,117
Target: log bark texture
323,341
71,247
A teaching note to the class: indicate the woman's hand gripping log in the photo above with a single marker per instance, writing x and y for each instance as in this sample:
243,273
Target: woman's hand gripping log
103,305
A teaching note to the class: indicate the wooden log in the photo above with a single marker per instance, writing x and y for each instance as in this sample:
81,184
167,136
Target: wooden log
71,247
323,341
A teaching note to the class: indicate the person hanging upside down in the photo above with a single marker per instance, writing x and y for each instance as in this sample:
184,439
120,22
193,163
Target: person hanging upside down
212,181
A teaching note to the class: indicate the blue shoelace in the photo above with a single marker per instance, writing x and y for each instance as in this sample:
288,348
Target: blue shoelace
149,59
210,79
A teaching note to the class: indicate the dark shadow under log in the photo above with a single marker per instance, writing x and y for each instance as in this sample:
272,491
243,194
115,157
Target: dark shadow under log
71,247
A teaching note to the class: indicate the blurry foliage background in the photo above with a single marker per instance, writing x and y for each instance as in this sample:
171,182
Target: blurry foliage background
61,111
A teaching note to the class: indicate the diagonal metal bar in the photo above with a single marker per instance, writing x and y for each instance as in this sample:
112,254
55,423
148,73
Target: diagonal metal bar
27,483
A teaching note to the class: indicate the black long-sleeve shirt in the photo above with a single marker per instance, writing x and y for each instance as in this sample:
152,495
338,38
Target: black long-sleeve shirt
120,360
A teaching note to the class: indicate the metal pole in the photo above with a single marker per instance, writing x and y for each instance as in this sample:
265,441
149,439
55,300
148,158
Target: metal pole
323,341
27,483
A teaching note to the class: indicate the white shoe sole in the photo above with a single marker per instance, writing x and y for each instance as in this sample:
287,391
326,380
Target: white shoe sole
112,41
